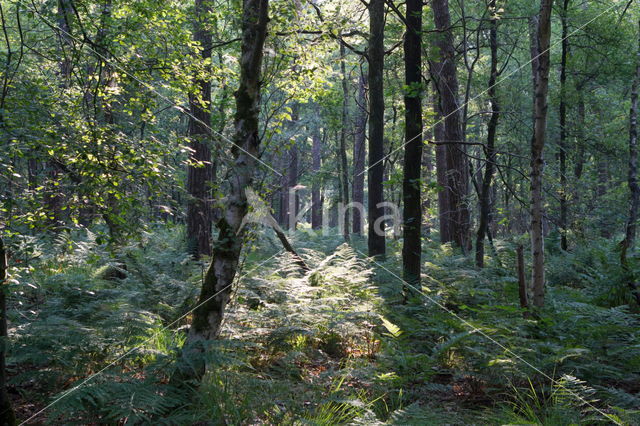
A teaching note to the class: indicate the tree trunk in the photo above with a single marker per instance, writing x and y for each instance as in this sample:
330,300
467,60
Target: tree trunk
375,53
200,170
290,202
7,416
634,188
543,36
316,197
490,150
441,167
456,160
522,281
562,112
411,200
344,178
216,288
359,151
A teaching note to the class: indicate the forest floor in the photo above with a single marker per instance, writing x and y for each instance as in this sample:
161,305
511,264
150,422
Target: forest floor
332,346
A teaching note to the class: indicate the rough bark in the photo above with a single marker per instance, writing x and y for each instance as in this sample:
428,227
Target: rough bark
543,36
359,152
200,170
316,197
490,150
7,416
562,145
411,196
456,160
218,280
375,54
344,168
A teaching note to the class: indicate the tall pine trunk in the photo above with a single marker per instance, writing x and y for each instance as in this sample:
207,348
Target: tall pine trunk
490,150
541,78
375,54
216,288
200,170
456,161
412,206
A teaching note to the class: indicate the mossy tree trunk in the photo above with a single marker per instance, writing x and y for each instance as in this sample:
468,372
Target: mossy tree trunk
541,80
218,280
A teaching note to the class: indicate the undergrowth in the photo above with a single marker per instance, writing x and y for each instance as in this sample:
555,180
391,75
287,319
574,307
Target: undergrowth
331,346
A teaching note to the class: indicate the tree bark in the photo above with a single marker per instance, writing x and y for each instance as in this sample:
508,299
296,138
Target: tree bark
344,178
490,150
411,183
316,196
522,281
7,416
543,36
456,160
562,112
441,168
200,170
216,288
375,53
359,152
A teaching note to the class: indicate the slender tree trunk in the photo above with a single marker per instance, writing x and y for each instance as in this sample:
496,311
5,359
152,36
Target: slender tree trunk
7,416
216,288
490,150
457,165
581,142
634,187
53,196
375,53
412,205
200,170
441,169
316,197
359,151
562,145
346,226
543,36
290,202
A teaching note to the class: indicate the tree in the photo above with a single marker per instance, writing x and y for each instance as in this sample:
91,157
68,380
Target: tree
562,113
541,87
411,183
490,149
200,170
456,161
216,287
7,416
375,55
634,187
359,153
316,194
342,149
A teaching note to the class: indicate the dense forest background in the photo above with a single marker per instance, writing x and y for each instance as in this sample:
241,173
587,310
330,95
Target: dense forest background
319,212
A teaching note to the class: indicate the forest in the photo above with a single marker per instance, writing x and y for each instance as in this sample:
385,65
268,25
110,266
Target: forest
319,212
